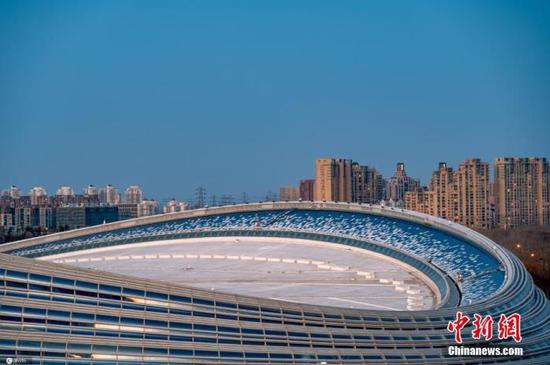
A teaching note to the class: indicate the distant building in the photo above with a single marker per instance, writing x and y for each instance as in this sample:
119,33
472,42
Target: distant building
367,184
307,188
442,183
12,192
472,179
399,184
38,195
289,193
23,218
147,207
7,217
133,195
100,214
374,186
173,206
43,217
109,195
90,191
127,211
461,196
358,183
333,180
521,191
65,191
421,201
70,217
65,196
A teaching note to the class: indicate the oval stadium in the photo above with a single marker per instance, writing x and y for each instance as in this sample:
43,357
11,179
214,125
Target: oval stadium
264,283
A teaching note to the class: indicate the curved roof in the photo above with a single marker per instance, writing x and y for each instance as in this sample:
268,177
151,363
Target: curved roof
470,271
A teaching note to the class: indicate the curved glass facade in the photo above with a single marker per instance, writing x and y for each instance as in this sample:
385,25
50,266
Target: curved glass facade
59,314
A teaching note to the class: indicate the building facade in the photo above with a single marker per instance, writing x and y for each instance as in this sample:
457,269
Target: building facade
109,195
133,195
307,188
127,211
70,217
333,180
100,215
38,195
289,193
422,201
444,187
86,316
146,207
399,184
173,206
472,184
521,192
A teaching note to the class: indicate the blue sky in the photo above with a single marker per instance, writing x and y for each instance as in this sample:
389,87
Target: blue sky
244,95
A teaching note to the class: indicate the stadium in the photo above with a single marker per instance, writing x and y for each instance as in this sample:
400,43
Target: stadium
264,283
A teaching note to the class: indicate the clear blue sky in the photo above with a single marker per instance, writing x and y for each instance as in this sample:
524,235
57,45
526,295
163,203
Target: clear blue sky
244,95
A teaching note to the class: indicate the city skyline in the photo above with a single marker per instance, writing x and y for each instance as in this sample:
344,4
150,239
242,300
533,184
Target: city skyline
190,194
195,97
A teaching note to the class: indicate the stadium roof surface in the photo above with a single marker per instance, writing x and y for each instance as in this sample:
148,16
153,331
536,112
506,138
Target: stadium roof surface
150,320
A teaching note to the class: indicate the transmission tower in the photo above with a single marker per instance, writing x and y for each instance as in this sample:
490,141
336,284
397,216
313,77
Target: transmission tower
200,197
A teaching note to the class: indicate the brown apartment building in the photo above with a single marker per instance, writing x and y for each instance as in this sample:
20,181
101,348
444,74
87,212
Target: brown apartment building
521,188
333,180
460,196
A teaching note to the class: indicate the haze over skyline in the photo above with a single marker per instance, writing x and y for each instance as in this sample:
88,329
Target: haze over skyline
244,96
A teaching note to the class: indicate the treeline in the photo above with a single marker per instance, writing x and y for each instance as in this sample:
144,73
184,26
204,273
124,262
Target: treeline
532,245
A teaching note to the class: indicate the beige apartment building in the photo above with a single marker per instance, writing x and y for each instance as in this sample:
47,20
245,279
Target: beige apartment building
399,184
461,196
289,193
472,187
521,188
442,184
333,180
421,201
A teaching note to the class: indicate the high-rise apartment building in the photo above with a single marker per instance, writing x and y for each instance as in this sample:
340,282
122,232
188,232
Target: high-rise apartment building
423,201
399,184
461,196
307,188
521,192
43,217
333,180
90,191
358,183
38,195
65,191
173,206
373,191
109,195
12,192
289,193
133,195
146,207
65,195
442,184
472,188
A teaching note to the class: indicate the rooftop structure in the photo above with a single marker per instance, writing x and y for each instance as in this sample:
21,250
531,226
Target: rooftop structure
157,288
